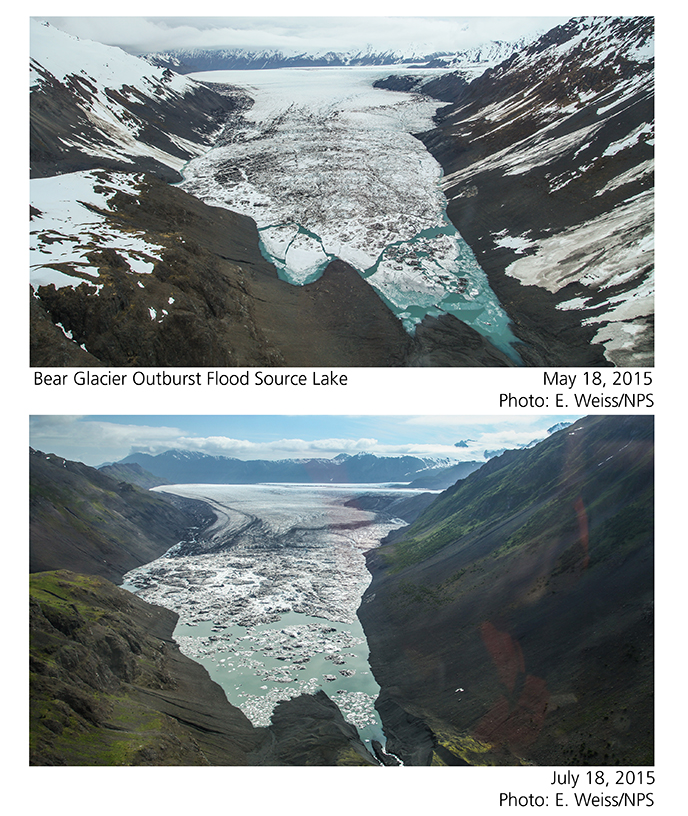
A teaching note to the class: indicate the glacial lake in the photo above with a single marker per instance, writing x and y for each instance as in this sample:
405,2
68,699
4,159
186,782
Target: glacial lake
328,167
267,596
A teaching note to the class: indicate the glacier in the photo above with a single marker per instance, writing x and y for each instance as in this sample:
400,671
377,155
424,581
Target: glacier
328,167
267,596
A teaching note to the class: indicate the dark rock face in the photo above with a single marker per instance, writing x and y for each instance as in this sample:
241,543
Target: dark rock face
108,684
548,162
446,341
219,303
83,520
310,730
407,736
92,118
513,618
446,87
208,321
209,299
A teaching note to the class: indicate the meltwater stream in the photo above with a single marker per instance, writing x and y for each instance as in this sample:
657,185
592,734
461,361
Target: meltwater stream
328,168
267,597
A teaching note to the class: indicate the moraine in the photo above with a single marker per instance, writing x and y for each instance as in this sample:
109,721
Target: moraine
267,596
328,168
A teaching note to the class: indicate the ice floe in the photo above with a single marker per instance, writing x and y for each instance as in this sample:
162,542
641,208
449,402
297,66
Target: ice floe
267,597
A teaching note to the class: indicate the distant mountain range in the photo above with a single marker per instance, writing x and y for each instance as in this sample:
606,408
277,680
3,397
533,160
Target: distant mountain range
145,274
190,60
108,684
191,467
510,623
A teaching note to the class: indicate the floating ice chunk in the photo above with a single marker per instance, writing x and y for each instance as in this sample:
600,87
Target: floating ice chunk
277,239
305,256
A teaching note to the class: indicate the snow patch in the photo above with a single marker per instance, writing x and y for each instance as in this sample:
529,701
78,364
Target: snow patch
71,224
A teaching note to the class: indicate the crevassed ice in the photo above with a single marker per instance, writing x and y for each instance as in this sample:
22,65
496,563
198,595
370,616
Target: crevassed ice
328,168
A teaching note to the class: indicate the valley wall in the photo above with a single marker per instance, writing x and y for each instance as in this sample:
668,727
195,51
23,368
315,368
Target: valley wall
512,622
548,172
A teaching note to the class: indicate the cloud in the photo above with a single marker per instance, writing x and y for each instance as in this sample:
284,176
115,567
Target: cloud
279,448
95,441
92,441
293,35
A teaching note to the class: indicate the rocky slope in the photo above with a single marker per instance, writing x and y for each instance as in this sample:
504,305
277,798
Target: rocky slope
109,686
548,162
205,296
93,106
85,521
148,275
512,621
134,474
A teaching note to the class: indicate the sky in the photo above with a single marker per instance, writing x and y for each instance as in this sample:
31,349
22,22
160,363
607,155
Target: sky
297,34
96,440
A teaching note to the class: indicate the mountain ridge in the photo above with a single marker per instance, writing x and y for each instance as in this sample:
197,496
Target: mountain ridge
128,270
511,622
548,171
108,683
195,466
192,60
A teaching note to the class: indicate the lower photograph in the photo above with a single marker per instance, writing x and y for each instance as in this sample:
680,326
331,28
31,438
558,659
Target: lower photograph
342,590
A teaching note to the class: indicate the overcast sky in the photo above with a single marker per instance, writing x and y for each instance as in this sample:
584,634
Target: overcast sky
98,439
298,34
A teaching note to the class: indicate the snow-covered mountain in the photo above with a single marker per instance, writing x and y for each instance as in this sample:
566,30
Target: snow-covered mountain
190,60
549,161
128,270
93,105
196,467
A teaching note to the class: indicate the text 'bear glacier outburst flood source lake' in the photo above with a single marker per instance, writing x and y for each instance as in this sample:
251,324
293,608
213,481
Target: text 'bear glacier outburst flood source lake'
328,168
267,596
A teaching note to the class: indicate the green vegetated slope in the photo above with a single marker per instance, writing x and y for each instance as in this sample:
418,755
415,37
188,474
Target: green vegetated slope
514,616
109,686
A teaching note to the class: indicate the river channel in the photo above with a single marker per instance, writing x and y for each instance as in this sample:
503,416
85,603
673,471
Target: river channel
267,596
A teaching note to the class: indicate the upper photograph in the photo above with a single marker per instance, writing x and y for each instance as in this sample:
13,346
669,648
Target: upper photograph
357,191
